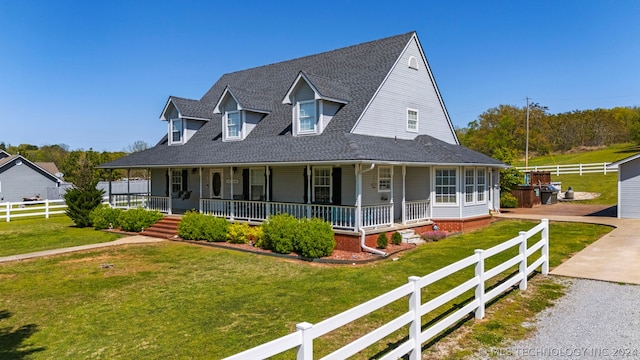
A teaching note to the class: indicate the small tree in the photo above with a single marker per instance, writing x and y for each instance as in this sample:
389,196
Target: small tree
84,196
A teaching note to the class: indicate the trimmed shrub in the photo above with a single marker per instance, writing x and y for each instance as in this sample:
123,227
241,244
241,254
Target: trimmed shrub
134,220
508,201
382,241
314,238
191,226
105,217
198,226
238,233
396,238
279,232
257,236
215,229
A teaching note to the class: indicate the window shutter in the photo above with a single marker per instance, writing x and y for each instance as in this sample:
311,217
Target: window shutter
185,183
245,184
305,176
337,186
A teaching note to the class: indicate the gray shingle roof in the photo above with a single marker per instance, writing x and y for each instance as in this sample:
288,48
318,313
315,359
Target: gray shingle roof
354,72
190,108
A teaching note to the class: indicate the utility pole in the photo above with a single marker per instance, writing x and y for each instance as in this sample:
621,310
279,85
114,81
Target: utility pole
526,150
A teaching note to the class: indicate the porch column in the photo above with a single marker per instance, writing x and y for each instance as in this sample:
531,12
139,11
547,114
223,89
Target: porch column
404,184
309,191
128,188
267,172
200,200
358,170
233,203
393,210
149,202
170,202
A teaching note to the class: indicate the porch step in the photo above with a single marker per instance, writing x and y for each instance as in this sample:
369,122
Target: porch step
166,228
410,236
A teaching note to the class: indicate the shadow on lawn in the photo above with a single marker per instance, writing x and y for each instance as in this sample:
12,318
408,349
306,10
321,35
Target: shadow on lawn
457,325
12,341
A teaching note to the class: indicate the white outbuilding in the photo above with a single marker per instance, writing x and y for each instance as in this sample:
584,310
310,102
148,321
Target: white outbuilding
628,186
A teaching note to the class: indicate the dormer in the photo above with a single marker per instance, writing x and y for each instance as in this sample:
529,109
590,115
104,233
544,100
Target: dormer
184,118
241,111
315,100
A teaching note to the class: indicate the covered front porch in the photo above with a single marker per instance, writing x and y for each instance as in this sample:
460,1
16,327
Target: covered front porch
348,196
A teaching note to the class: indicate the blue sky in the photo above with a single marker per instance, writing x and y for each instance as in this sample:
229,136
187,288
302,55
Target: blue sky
96,74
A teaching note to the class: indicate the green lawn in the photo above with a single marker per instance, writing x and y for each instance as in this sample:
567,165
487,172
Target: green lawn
174,300
606,185
24,235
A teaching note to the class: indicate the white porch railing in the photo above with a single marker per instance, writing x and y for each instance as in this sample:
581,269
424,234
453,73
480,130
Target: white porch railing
416,211
340,217
377,215
126,201
9,210
302,340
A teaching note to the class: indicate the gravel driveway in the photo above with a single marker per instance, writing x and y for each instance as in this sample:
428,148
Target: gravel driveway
594,320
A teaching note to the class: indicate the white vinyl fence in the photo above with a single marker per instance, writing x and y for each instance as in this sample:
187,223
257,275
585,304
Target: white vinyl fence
9,210
302,340
581,169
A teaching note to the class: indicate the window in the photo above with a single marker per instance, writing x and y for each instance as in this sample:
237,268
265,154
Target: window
176,181
412,120
322,185
384,179
481,184
176,130
446,186
307,116
256,184
469,185
234,125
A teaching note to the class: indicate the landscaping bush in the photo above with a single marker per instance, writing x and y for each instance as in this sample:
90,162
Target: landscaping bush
238,233
433,235
257,236
396,238
382,241
279,232
134,220
507,200
215,229
105,217
191,226
314,238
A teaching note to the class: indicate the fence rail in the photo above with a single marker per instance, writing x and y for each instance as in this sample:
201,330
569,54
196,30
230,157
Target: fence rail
302,340
594,168
46,208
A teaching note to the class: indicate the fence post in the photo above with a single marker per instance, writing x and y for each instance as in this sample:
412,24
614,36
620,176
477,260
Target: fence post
580,169
305,350
46,208
415,328
604,168
523,261
557,170
8,211
479,270
545,247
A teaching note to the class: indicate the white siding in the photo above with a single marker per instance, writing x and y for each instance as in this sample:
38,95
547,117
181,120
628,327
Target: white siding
629,188
251,120
406,88
475,210
348,185
417,183
159,182
288,184
329,109
370,194
397,192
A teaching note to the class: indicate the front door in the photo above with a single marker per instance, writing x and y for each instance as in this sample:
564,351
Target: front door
215,186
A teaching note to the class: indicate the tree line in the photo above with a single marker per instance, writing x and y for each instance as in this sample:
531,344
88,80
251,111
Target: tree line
72,162
500,132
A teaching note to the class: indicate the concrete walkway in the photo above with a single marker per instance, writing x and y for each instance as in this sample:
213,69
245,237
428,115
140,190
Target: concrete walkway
614,257
138,239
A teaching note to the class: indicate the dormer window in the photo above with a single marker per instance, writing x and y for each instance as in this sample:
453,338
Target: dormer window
307,117
177,130
234,125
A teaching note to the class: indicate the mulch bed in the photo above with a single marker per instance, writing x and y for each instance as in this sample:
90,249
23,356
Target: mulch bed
337,257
